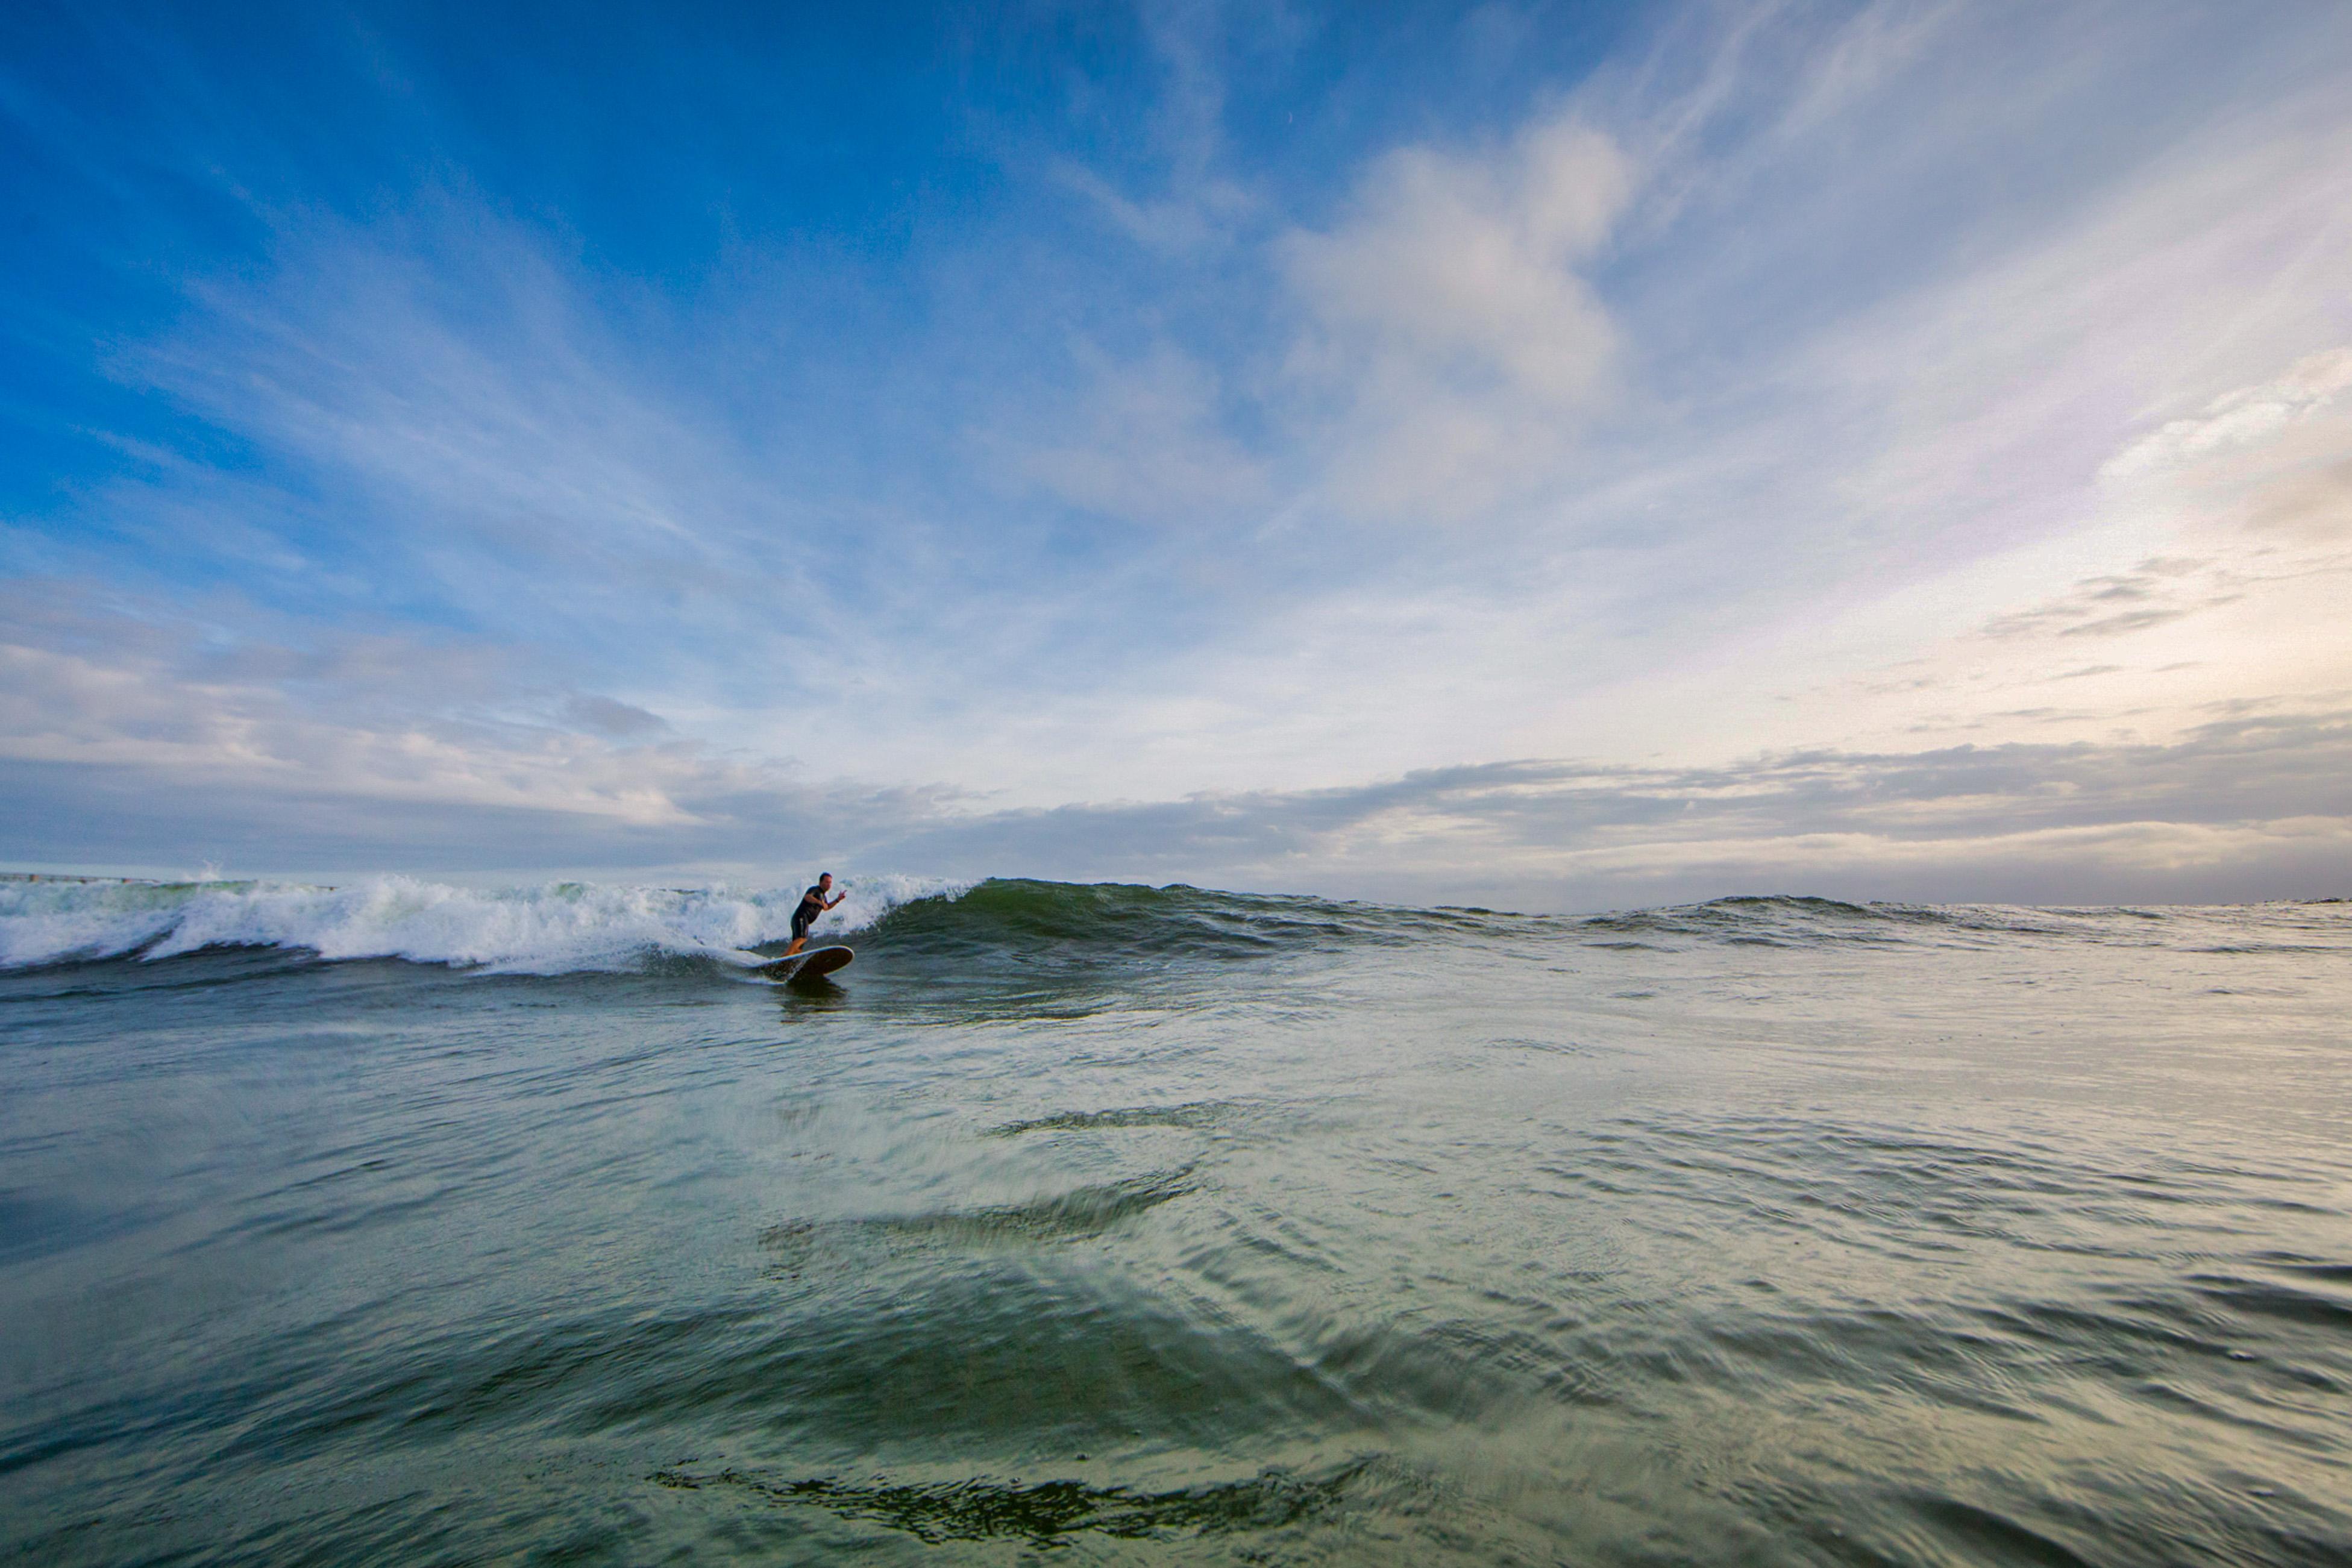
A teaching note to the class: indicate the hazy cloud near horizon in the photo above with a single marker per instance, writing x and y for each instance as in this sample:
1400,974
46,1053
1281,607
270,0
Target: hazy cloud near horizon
1559,455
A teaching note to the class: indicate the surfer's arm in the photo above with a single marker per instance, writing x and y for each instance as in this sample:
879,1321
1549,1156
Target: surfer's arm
835,899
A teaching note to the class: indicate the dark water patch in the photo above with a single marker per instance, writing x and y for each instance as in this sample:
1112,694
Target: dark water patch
924,1364
2131,1331
2274,1300
1198,1113
1982,1534
34,1224
340,1172
1883,1347
1467,1370
1547,1046
1045,1514
364,1216
1082,1211
2269,948
460,1383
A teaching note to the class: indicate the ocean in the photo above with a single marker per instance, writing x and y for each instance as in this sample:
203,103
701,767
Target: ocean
404,1222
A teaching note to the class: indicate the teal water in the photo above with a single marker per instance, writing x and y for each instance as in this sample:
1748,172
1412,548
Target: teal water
1113,1225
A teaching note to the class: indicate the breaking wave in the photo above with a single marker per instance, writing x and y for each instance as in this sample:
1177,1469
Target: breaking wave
564,927
552,928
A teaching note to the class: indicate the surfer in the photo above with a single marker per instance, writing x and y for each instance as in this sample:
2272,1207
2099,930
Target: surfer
813,903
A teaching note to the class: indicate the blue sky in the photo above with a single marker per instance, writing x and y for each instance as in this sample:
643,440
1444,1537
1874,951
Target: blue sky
1561,455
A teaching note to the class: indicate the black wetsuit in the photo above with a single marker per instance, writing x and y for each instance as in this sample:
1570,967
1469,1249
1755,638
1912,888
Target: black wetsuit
811,906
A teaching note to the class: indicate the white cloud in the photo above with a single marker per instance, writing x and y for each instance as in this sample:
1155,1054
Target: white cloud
1450,324
1465,266
2246,417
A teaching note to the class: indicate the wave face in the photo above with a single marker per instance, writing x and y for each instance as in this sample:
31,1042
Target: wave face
567,927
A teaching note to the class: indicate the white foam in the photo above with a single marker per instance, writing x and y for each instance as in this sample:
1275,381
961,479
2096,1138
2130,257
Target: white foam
550,930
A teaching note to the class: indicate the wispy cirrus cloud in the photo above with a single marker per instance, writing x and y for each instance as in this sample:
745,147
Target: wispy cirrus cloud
2109,605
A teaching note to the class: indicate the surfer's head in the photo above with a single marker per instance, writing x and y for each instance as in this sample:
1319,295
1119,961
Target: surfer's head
825,879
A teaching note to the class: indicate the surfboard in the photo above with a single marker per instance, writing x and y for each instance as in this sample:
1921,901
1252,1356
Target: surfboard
807,964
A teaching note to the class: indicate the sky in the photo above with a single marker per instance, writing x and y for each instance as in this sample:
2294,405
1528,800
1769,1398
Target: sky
1549,456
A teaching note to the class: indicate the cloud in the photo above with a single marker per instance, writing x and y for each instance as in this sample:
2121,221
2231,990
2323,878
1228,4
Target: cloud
1448,318
1944,371
358,715
2277,453
2246,807
2112,605
2246,417
450,374
450,424
1463,267
610,716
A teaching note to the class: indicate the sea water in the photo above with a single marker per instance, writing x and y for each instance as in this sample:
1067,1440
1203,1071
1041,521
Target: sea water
404,1224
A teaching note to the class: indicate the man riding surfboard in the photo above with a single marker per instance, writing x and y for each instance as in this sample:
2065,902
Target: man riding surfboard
813,903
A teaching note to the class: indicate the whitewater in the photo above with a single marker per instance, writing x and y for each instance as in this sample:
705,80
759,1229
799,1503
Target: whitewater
400,1222
550,929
